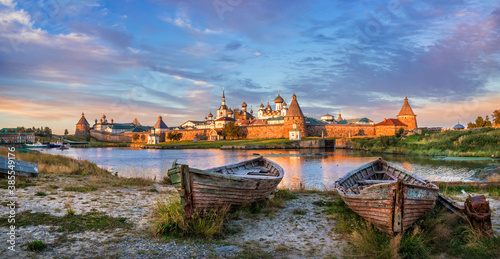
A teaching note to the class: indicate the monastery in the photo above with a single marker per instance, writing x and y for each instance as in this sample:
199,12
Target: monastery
282,122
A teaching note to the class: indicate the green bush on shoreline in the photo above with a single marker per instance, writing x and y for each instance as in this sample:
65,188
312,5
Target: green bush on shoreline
484,142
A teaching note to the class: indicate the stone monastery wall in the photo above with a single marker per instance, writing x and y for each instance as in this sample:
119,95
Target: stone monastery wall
261,132
344,131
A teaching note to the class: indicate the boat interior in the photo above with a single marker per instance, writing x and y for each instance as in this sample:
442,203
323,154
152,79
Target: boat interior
255,167
377,172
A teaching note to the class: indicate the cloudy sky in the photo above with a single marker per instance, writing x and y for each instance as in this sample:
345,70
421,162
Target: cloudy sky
143,59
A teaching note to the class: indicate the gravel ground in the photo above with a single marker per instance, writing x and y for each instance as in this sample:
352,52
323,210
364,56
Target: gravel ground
298,230
280,234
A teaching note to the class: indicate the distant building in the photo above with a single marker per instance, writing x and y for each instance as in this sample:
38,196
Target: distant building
458,126
268,112
82,126
407,116
153,138
328,118
11,135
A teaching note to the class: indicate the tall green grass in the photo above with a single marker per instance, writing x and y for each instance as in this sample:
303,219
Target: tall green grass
472,143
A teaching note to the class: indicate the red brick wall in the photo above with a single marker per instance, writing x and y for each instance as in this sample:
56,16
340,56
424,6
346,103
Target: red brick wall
262,131
344,131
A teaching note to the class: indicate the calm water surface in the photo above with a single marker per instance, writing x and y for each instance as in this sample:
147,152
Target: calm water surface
313,168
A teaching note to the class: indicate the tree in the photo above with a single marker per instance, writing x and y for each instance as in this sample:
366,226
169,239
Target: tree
87,137
480,122
174,136
496,117
230,130
135,137
487,123
471,125
66,132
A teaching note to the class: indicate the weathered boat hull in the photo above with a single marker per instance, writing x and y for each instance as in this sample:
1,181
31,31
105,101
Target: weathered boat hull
392,206
17,167
201,190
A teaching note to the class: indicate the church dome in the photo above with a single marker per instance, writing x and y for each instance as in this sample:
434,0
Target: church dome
230,112
244,104
278,99
458,127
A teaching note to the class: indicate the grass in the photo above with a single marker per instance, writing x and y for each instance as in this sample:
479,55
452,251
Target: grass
468,143
205,144
453,190
437,233
82,189
58,164
70,223
170,221
35,246
40,194
21,182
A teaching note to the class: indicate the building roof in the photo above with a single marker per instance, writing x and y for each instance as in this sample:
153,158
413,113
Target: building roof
160,124
244,104
406,109
141,129
125,127
458,127
390,122
278,99
342,121
310,120
294,109
83,120
136,122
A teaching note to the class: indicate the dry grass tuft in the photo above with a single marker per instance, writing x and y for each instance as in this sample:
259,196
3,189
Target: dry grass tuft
170,220
493,178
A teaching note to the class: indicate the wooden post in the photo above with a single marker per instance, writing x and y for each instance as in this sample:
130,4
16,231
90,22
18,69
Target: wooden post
186,194
397,225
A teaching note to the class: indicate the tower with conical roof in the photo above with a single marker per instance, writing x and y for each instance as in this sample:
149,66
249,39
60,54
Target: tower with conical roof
294,119
82,126
407,116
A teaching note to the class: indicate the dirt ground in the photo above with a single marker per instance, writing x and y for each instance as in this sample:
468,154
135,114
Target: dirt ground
298,230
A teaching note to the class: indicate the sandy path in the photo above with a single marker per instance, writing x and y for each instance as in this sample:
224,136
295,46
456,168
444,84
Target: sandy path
291,235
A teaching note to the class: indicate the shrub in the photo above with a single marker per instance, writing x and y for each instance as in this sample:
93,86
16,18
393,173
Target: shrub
40,194
36,246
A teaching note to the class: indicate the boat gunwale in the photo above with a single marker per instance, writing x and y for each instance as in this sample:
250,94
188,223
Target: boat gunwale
239,177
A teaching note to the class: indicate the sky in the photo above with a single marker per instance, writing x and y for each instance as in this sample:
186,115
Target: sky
145,59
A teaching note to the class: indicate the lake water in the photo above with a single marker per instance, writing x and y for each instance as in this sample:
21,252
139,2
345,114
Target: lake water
312,168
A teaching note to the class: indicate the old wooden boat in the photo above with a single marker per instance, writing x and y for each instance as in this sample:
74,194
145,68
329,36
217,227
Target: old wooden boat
17,167
391,198
230,185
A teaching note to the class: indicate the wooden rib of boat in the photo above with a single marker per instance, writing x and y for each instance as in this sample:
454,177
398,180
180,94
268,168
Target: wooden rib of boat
231,185
391,198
